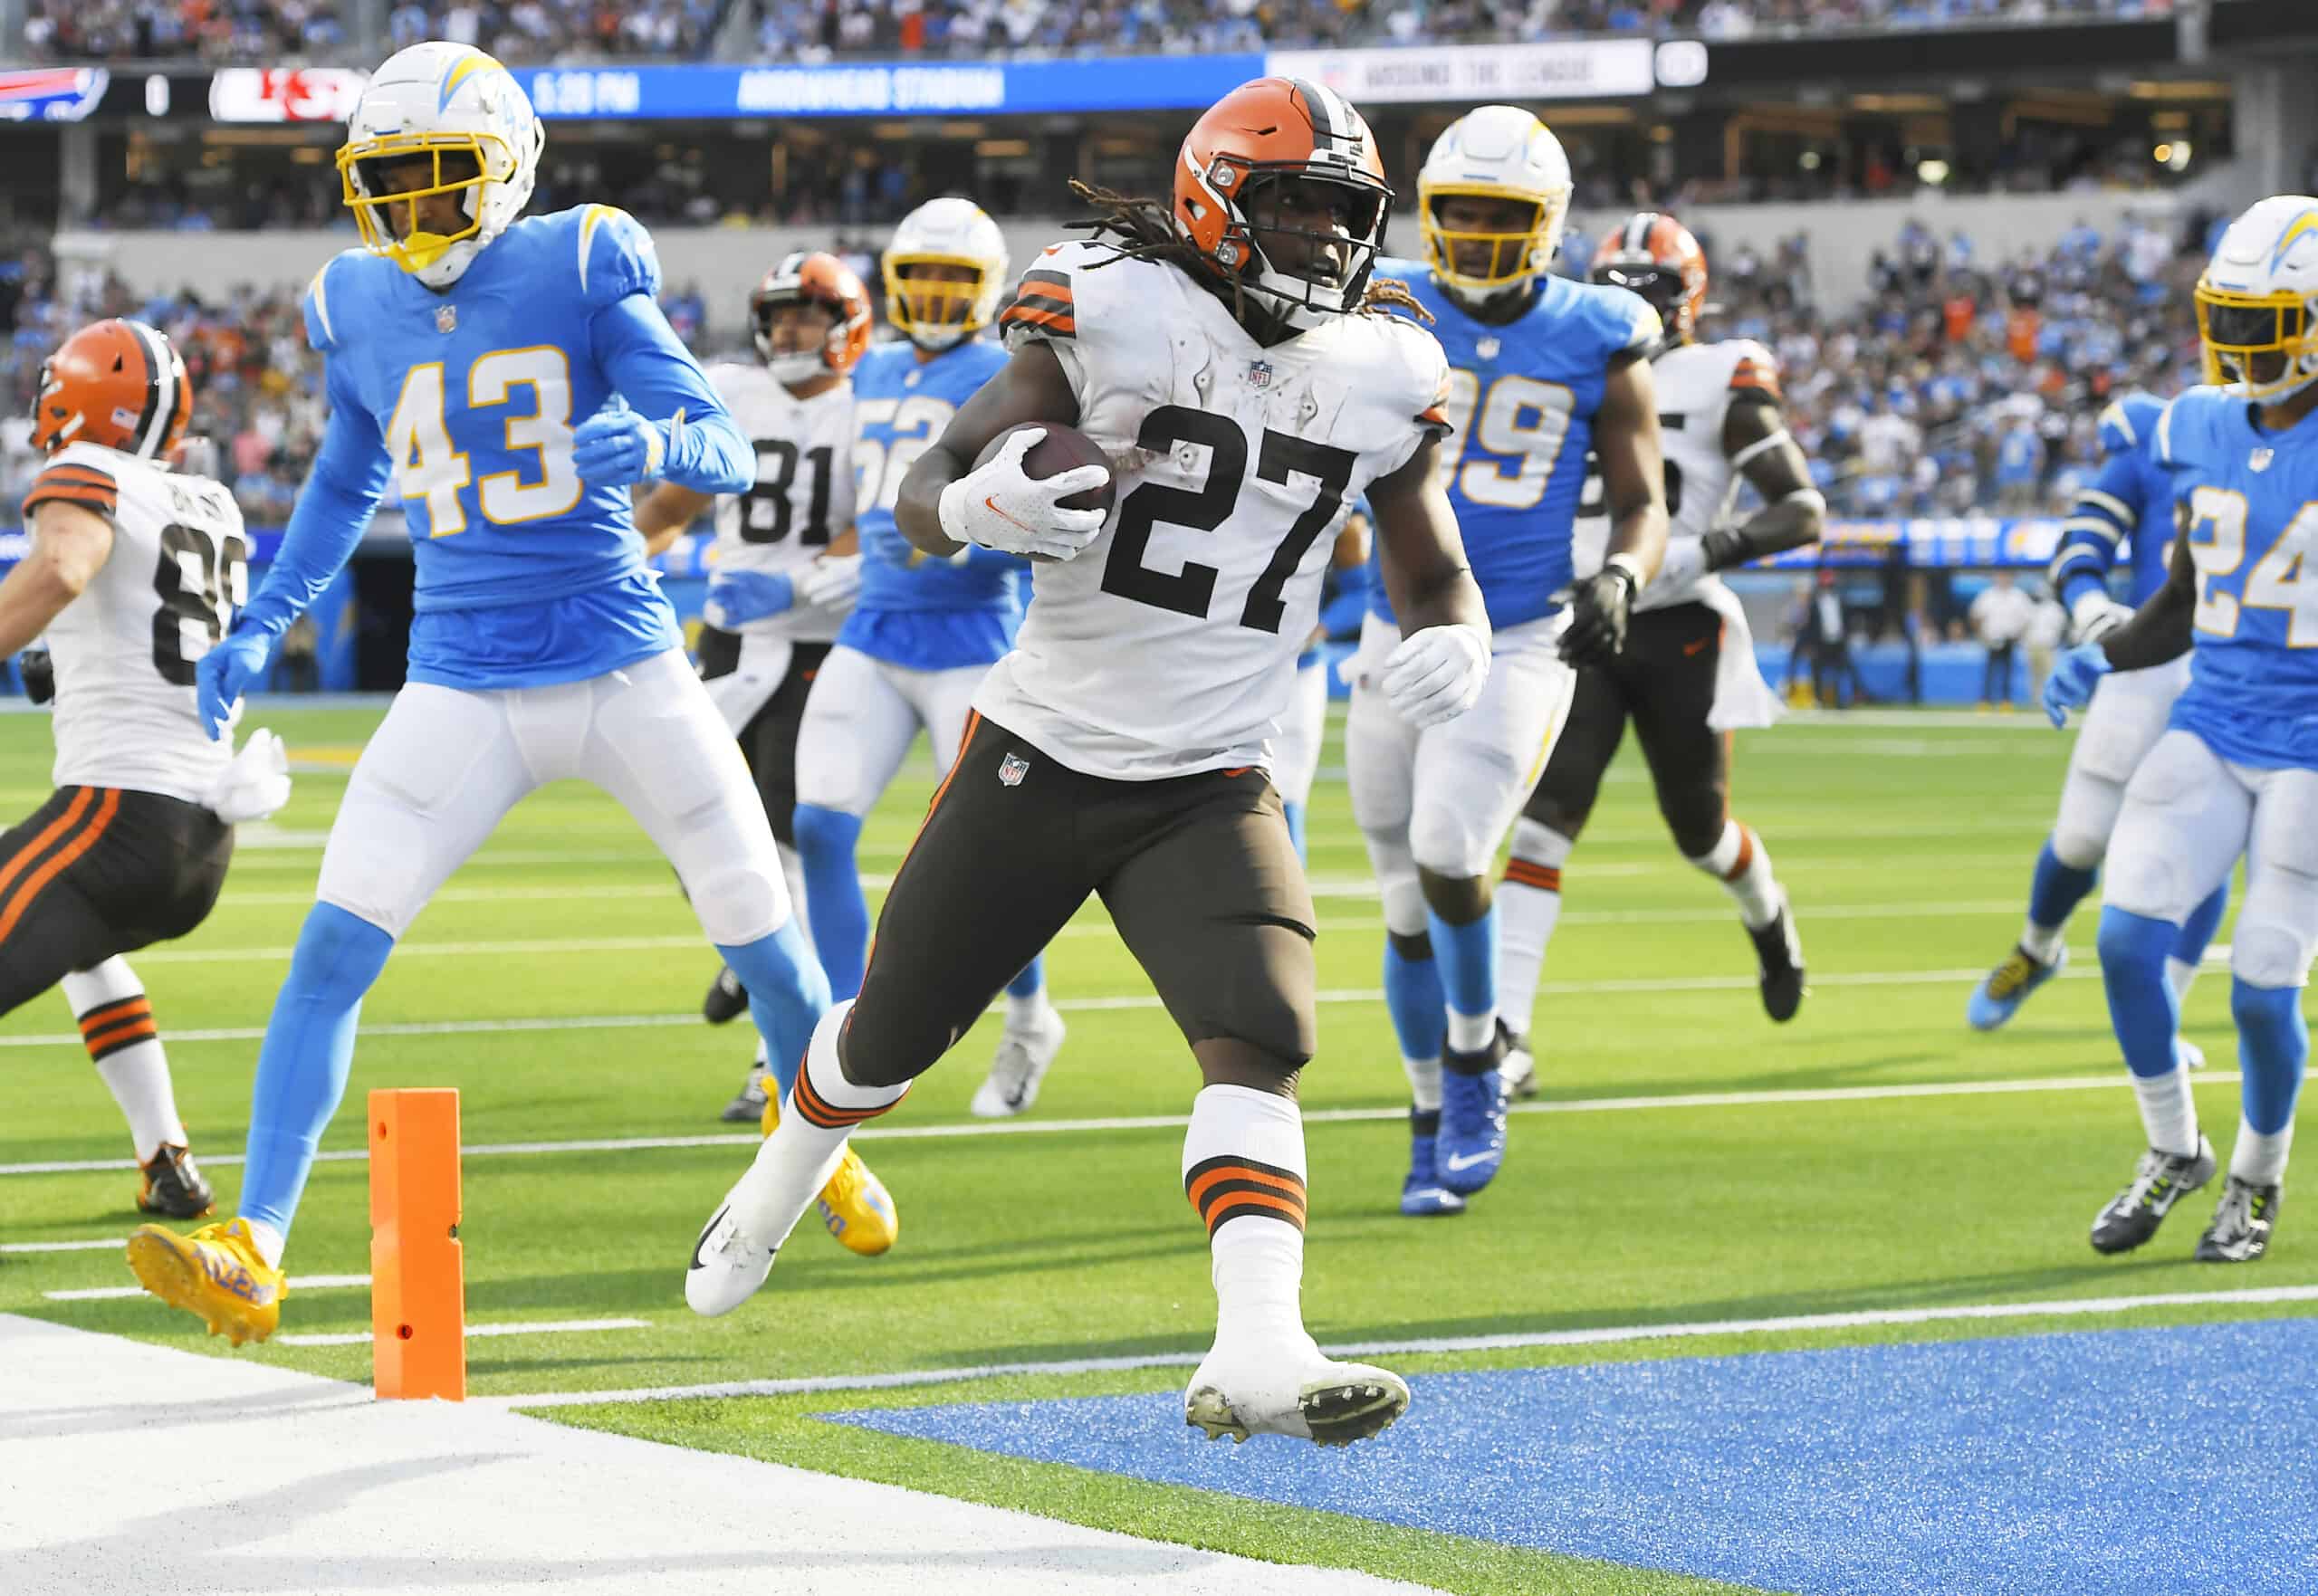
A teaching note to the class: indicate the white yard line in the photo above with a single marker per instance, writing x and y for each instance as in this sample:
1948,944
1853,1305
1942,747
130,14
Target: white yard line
1312,1116
1608,1335
362,1338
97,1293
94,1244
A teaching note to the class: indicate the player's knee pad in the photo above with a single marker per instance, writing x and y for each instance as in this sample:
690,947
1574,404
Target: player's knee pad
740,900
1449,842
1396,881
2268,948
2088,814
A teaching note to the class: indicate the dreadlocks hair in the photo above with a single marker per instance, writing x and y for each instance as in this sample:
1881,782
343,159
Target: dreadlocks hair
1146,231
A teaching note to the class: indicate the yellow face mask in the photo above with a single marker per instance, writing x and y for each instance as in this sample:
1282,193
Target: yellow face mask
487,160
2253,342
917,305
1509,252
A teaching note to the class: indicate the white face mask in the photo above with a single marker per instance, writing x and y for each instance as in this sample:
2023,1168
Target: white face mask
799,367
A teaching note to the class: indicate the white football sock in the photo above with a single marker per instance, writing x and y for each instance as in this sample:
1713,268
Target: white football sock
2043,943
1740,862
117,1026
1471,1033
2169,1114
1529,904
796,1161
2259,1158
1028,1013
1243,1171
267,1240
1424,1083
792,871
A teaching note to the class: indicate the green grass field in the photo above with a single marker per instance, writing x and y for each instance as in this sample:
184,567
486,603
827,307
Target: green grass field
555,983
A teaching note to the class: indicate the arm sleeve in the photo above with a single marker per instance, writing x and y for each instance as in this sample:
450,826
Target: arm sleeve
654,372
2104,515
340,495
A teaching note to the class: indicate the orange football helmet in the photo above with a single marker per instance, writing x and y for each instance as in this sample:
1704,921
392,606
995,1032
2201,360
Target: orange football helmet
820,279
1656,257
117,383
1270,130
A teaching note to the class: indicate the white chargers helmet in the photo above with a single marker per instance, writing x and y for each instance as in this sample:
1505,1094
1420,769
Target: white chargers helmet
454,105
1499,152
2257,300
944,272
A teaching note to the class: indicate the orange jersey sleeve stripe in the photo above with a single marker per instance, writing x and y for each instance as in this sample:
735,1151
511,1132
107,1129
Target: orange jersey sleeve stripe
75,484
1755,376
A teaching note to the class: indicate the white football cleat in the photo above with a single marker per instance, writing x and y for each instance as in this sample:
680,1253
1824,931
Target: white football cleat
1290,1390
727,1267
2192,1055
1520,1067
1024,1052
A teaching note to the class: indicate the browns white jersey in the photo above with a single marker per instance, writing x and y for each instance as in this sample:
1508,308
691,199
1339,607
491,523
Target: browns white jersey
125,649
1168,646
1695,384
803,495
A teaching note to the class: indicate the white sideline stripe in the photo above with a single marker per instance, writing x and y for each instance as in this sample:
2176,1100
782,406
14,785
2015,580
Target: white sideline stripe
96,1244
1163,1121
357,1338
1605,1336
98,1294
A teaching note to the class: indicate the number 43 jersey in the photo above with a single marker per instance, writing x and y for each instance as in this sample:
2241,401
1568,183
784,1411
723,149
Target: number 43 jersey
1168,646
803,495
125,649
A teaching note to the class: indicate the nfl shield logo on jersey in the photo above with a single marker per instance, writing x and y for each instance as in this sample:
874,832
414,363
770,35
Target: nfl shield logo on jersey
2260,459
447,319
1011,769
1259,374
1487,349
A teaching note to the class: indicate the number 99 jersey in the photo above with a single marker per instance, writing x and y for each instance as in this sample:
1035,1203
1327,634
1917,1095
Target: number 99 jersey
1168,646
803,495
2252,499
125,649
1522,397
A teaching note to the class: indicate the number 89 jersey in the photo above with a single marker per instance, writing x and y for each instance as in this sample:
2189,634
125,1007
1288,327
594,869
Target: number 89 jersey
803,495
2252,497
1168,646
1523,394
125,649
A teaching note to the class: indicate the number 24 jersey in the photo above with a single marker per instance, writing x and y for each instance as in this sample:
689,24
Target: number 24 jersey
125,649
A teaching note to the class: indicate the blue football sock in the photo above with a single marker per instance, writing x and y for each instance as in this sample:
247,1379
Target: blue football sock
2056,889
1031,981
2198,930
1412,998
1295,813
788,995
2142,1009
2272,1048
1468,959
826,839
306,1056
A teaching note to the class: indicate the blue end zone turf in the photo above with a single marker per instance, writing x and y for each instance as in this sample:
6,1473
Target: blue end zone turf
2082,1465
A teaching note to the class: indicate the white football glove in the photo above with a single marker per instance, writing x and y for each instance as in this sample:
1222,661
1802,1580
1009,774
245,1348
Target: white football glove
998,506
1436,675
830,582
254,784
2095,615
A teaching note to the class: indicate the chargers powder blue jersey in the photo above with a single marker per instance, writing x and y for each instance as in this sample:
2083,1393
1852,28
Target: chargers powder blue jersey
461,404
1522,398
2129,502
2252,497
922,613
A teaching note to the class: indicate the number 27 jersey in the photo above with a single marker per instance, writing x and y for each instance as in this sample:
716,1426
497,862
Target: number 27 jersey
126,648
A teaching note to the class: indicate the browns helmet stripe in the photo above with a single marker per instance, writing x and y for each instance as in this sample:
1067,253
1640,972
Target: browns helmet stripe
146,439
1639,228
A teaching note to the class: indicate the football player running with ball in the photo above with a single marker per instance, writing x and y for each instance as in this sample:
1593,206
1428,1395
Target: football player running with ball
1230,352
2236,771
1541,370
509,381
135,570
1687,679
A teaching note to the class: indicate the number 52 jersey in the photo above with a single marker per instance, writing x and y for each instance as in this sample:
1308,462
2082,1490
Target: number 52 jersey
125,649
803,495
1168,646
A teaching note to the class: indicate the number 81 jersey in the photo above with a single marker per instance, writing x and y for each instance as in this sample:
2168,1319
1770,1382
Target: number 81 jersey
1168,646
1523,394
803,495
125,649
2251,502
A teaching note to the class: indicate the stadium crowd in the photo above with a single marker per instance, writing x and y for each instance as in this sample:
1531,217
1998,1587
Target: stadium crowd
278,32
1955,381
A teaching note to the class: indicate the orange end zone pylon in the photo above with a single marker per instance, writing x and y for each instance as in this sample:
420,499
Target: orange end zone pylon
418,1303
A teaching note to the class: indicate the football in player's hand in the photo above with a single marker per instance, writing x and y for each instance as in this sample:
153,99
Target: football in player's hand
1062,449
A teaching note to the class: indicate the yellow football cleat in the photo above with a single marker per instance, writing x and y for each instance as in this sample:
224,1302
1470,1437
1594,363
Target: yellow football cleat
216,1274
856,1208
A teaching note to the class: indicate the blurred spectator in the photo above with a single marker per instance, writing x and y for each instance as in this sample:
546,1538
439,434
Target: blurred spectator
2001,618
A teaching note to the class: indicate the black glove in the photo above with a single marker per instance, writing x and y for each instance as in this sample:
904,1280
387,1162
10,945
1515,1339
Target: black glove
39,672
1724,548
1598,607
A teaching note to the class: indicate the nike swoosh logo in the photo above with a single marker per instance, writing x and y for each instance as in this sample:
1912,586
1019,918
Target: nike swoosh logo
704,1229
992,505
1468,1162
1695,647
